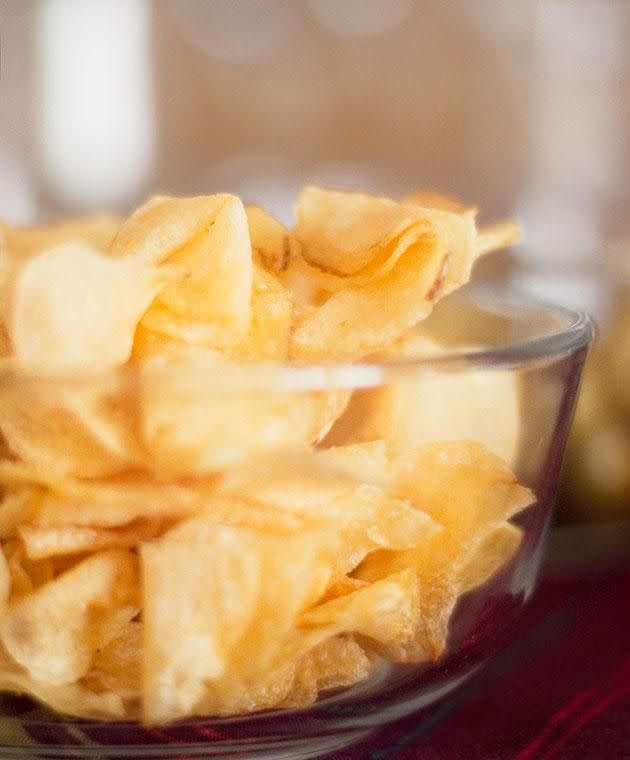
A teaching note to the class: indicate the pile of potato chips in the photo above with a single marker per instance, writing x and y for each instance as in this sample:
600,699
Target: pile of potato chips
179,536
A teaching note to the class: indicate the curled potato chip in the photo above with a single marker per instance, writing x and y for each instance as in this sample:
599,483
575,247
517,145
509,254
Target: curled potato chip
387,612
85,429
230,623
110,296
436,405
96,231
267,336
342,232
359,320
353,517
51,632
208,238
385,263
471,493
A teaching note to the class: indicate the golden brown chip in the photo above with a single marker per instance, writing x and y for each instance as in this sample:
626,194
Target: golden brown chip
471,493
357,321
207,239
230,622
109,295
54,631
342,232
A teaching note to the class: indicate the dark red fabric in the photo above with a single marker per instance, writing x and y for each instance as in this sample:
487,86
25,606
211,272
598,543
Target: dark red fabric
561,692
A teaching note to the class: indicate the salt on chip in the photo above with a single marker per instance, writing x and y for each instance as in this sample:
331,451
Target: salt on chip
83,429
109,295
230,622
50,633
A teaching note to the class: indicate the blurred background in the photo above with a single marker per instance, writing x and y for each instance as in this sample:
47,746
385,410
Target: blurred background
520,108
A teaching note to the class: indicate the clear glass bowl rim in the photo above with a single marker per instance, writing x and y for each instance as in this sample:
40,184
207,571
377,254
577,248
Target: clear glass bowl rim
576,333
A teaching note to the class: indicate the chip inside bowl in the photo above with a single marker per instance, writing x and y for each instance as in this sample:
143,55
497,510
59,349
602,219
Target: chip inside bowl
199,515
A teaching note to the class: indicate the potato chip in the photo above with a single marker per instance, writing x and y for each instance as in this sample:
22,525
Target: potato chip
190,428
118,502
40,543
117,667
206,237
96,231
164,225
337,662
471,493
497,236
50,632
491,238
70,699
360,320
342,232
229,621
85,429
433,404
271,321
271,240
492,553
110,296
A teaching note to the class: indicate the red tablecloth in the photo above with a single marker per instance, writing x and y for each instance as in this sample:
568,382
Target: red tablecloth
560,692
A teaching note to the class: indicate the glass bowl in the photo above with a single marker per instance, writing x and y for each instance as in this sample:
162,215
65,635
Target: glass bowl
494,368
